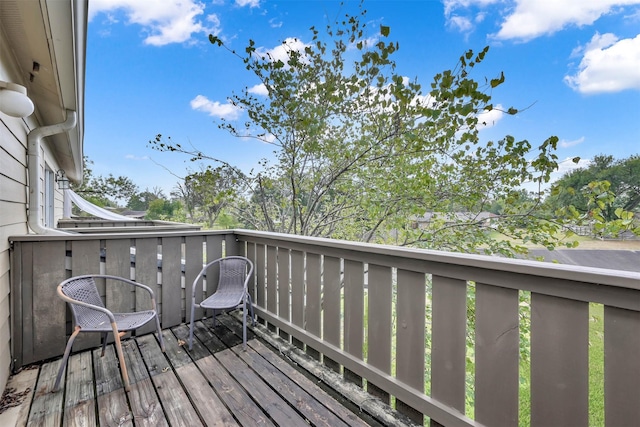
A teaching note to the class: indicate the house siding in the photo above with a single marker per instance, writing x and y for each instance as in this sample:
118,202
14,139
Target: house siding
13,198
14,216
13,221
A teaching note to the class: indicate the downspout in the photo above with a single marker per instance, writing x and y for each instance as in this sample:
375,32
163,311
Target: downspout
33,165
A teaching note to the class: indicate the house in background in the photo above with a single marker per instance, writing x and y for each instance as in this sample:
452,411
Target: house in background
42,48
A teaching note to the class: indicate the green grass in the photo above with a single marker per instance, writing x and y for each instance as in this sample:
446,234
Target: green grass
596,365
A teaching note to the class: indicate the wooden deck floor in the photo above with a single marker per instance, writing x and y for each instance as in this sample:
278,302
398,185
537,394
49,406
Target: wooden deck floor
215,384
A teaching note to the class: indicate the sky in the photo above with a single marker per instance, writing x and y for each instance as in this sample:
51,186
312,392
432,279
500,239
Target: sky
571,66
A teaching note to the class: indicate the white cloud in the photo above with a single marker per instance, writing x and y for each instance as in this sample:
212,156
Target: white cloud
451,5
164,22
250,3
489,119
534,18
462,15
134,157
566,144
259,89
528,19
275,23
461,23
214,108
269,138
607,65
567,165
281,52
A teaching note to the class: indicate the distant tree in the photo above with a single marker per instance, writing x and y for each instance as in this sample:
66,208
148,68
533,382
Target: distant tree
211,190
162,209
140,201
185,192
104,191
623,176
361,150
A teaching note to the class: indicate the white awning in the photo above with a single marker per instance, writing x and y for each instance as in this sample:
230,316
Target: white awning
71,197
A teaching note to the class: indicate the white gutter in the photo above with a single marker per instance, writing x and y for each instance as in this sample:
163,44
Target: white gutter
33,165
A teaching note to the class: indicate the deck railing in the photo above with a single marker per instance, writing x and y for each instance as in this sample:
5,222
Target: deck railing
108,226
395,321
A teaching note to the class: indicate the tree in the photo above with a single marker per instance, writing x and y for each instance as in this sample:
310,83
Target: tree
210,190
163,209
140,201
623,177
104,191
362,150
604,196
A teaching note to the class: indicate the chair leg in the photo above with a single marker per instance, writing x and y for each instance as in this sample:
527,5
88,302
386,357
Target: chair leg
67,351
253,317
160,337
123,367
191,326
244,325
104,342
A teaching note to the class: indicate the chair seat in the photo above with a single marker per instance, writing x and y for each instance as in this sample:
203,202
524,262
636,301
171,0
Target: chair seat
221,300
99,322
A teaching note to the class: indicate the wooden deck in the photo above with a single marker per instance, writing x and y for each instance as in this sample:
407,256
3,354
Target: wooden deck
215,384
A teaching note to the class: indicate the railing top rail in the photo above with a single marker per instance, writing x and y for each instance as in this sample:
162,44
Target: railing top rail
396,255
618,278
126,232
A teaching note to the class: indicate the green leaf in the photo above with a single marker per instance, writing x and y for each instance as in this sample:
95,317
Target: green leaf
497,82
385,30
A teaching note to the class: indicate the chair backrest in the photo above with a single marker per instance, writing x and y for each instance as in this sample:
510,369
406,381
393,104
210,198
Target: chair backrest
82,289
233,274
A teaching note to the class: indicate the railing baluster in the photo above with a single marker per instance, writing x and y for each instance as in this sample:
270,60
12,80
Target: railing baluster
353,314
410,341
331,312
497,356
171,280
284,289
297,293
559,361
272,283
379,327
146,272
251,254
622,371
312,302
448,343
193,260
260,276
118,263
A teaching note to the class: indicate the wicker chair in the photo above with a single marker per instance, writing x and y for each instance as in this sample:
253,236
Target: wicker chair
90,315
235,272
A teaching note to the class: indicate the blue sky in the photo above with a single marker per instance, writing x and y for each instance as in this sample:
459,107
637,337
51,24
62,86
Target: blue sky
151,69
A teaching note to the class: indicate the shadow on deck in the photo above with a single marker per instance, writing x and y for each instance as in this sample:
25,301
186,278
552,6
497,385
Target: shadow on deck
215,384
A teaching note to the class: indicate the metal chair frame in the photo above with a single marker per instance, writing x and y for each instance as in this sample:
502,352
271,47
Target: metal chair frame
232,291
91,315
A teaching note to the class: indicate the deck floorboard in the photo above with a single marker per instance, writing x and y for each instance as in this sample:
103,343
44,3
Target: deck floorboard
217,383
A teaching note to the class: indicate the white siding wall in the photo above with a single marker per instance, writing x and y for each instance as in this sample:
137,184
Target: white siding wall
13,214
13,220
